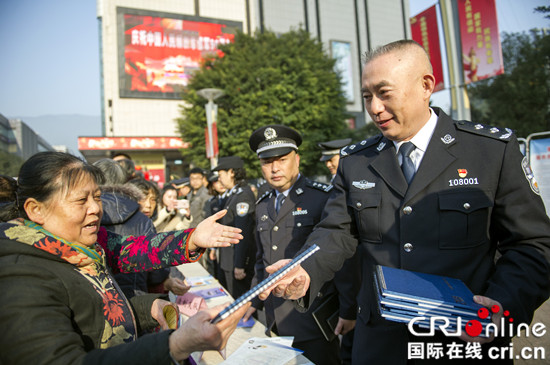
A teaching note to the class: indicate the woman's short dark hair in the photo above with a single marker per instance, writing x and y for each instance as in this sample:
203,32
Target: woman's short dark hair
145,186
239,175
45,174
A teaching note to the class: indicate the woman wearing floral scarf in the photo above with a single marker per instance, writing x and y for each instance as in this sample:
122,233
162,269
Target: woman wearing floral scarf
60,304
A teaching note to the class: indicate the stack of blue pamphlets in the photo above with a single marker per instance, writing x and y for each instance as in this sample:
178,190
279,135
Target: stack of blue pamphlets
406,295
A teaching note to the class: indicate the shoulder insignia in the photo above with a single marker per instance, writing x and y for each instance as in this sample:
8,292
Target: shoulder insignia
266,194
238,191
503,134
355,147
319,186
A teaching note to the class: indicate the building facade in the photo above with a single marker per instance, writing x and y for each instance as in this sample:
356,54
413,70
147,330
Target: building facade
137,101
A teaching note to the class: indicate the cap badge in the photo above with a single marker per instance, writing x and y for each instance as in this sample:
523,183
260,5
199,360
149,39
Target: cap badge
270,133
462,172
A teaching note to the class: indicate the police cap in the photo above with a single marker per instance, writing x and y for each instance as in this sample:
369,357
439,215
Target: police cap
179,183
229,162
332,148
274,140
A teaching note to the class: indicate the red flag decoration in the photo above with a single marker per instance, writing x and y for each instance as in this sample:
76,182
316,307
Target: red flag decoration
424,31
481,52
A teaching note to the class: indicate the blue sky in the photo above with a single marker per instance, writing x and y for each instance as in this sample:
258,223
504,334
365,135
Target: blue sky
50,52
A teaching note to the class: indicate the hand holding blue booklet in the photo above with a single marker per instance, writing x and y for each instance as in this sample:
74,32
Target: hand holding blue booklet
266,283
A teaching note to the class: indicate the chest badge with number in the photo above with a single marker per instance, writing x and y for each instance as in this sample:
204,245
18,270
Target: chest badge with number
463,180
299,211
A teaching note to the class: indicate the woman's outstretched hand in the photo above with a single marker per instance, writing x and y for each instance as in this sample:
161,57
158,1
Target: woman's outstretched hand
210,233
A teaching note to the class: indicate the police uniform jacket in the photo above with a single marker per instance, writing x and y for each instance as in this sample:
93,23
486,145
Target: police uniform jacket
473,194
240,205
281,236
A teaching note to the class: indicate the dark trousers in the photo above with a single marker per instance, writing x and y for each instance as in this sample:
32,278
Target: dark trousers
321,352
235,287
346,347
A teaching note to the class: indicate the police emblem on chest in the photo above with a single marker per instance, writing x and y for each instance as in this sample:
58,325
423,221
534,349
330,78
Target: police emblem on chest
242,209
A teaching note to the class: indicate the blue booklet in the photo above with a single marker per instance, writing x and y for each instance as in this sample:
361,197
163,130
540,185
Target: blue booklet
422,288
404,296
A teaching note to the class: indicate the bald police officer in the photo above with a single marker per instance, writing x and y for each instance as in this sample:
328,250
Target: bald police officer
434,195
331,154
285,215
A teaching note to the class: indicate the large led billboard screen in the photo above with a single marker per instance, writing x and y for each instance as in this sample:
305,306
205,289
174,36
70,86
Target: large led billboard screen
158,52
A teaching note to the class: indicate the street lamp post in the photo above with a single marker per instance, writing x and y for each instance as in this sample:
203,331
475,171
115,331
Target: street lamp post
211,94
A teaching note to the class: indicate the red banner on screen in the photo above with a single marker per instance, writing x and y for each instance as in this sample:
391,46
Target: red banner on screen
161,53
481,52
425,31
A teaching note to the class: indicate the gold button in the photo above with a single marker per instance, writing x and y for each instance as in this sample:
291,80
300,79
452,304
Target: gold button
408,247
276,228
407,210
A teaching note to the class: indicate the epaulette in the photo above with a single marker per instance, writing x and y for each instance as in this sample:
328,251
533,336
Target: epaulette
503,134
355,147
267,193
318,185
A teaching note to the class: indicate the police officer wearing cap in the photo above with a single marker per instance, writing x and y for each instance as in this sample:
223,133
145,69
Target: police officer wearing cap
285,215
236,262
331,154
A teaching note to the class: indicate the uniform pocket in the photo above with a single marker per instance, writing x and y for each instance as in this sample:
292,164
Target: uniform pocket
366,207
301,222
464,218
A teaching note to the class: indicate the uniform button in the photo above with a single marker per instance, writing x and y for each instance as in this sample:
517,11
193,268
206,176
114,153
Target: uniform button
407,210
276,228
319,295
299,224
261,229
408,247
274,248
467,206
359,310
358,205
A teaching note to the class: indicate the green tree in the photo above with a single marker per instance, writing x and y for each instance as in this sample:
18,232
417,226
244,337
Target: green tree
268,79
519,98
10,164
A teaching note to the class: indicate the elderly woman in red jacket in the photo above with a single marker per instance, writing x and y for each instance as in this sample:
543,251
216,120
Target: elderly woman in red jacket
59,302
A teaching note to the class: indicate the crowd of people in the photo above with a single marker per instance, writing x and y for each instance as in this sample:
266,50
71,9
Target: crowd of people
88,251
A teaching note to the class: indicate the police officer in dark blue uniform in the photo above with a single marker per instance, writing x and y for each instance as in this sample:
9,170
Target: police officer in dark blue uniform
285,215
434,195
236,262
330,154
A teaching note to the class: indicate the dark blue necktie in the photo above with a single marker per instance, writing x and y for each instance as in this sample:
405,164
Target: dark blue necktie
279,202
407,166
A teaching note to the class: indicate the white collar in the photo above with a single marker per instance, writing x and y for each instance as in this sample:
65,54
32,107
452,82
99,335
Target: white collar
422,138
